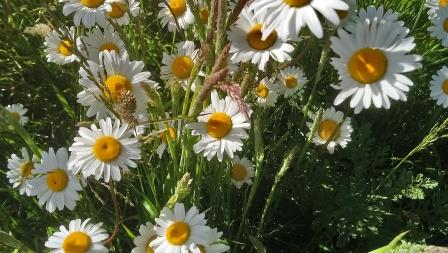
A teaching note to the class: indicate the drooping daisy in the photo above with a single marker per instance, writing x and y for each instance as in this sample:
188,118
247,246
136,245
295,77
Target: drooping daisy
79,237
346,15
117,74
204,11
222,128
267,93
120,10
18,113
327,130
101,152
60,48
182,13
87,12
291,80
178,67
20,171
212,246
58,187
248,45
164,133
439,87
289,16
439,28
433,6
179,231
97,41
371,70
242,172
147,235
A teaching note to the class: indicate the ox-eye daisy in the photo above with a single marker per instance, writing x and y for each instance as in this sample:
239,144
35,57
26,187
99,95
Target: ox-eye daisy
247,44
120,10
17,112
328,131
439,28
97,41
289,16
79,237
57,187
346,15
434,5
178,67
101,152
180,231
60,48
242,172
212,246
182,13
20,171
87,12
164,132
371,70
147,235
222,128
439,87
266,92
291,80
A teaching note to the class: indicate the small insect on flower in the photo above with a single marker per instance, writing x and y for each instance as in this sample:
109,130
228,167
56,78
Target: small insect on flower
87,12
57,187
101,152
80,237
433,6
241,172
267,93
97,41
439,28
290,81
142,241
18,112
248,45
120,10
179,231
212,246
329,131
20,171
182,13
222,128
439,87
59,47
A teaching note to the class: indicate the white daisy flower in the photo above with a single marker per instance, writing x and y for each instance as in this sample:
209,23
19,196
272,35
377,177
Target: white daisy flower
371,70
328,130
291,80
120,10
204,11
20,171
163,133
57,187
439,28
267,93
18,112
178,67
179,231
439,87
97,41
59,48
346,15
434,5
79,237
147,235
242,172
103,151
182,13
222,128
212,246
289,16
87,12
248,45
118,74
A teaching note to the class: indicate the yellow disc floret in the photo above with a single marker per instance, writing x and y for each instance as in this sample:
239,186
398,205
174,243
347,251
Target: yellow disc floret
262,90
109,47
445,87
238,172
203,14
367,65
291,82
182,66
77,242
65,48
92,3
219,124
26,168
172,133
255,41
117,84
106,149
327,128
178,7
297,3
57,180
118,10
178,233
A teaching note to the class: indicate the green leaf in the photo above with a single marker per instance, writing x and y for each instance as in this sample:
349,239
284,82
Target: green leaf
391,245
13,242
259,247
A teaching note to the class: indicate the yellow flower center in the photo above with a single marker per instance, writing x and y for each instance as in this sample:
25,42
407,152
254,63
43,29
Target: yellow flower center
149,248
182,66
342,14
445,87
297,3
291,82
254,38
109,47
203,14
262,90
443,3
77,242
92,3
445,25
116,85
57,180
178,233
367,65
327,128
172,133
16,115
238,172
65,48
106,149
118,10
178,7
219,125
26,168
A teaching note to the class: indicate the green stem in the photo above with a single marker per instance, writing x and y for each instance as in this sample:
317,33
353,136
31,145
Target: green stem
310,137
